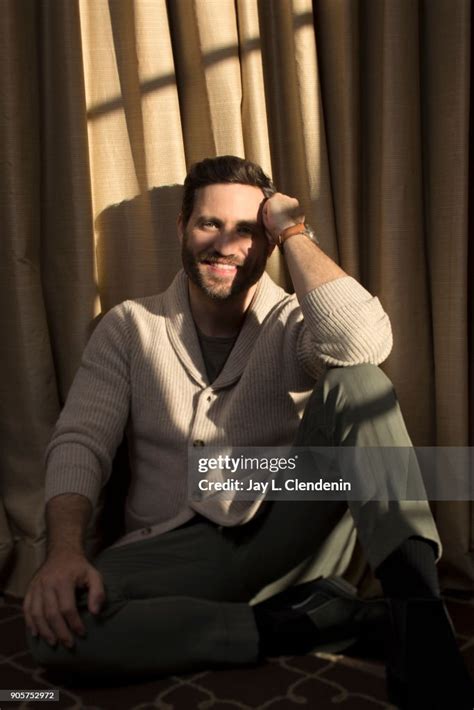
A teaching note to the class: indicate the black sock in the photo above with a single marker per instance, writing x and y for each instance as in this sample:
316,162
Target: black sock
424,665
410,571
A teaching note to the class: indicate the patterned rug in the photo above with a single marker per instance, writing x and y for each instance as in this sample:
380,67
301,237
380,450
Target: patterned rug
322,681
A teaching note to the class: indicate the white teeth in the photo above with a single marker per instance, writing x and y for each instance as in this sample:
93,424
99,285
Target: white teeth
229,267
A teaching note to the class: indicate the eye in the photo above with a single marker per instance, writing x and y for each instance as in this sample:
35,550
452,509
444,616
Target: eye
209,224
246,230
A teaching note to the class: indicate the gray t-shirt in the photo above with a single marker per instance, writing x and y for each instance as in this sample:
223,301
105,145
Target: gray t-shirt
215,351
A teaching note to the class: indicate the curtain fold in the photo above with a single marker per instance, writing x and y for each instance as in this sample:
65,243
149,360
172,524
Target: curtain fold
68,278
360,108
446,84
28,397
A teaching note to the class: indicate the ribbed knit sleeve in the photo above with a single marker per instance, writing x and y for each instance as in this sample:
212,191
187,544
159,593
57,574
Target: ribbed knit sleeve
344,325
91,425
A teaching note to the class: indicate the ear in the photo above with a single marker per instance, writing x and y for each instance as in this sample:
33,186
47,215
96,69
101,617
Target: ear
180,227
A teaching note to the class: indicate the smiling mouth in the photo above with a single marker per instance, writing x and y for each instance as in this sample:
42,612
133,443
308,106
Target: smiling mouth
221,267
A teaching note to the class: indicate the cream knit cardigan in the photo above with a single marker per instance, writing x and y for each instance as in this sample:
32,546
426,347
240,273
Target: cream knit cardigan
143,369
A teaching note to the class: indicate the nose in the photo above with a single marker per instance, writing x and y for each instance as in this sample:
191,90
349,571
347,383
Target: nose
226,242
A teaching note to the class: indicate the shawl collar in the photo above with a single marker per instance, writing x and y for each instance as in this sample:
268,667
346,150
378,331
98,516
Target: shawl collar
183,336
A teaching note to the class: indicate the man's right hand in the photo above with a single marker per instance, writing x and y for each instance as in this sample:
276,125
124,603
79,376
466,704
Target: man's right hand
50,604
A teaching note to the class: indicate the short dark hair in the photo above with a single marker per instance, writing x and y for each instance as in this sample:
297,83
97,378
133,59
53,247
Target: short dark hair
223,169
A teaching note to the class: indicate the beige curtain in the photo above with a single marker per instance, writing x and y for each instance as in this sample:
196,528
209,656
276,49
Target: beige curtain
358,107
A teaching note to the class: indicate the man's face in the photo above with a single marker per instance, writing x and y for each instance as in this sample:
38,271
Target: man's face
224,248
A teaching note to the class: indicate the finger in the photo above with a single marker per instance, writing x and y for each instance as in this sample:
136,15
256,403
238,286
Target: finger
55,619
96,595
68,608
30,624
39,619
262,211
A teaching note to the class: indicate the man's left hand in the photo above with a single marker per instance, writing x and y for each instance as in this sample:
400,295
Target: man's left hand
279,212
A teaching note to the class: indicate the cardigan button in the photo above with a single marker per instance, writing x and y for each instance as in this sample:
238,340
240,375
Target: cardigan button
198,442
146,531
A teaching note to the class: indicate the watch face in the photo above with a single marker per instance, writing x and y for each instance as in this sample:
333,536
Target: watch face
309,232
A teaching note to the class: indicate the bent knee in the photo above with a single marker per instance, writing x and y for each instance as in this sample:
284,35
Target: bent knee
364,391
58,657
358,380
50,657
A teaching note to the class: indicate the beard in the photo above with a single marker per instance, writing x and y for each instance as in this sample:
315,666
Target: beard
214,286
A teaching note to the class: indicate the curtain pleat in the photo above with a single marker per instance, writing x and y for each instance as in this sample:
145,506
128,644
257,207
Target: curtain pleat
296,124
28,396
446,83
206,46
397,112
394,255
68,274
338,42
360,108
135,143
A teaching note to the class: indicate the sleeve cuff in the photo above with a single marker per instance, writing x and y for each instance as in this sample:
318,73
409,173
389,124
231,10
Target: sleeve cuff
72,468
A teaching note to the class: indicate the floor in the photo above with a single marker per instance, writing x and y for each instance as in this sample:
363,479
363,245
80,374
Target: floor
321,681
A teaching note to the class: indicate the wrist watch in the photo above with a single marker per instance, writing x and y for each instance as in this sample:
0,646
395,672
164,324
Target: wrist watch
300,228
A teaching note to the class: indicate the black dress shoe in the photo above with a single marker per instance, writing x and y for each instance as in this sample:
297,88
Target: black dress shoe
320,615
425,669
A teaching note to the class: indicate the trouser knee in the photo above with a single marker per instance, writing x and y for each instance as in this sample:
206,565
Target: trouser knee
82,655
354,385
343,398
50,657
365,371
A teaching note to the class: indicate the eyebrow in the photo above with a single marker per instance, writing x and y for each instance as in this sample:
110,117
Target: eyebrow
248,223
241,223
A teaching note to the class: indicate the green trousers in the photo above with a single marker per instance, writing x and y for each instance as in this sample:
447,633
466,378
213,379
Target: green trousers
181,601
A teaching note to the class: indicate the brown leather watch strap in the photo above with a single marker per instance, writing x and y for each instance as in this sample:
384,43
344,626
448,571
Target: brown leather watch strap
299,228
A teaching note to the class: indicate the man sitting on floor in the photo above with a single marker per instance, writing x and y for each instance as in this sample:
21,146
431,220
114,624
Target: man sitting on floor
226,357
